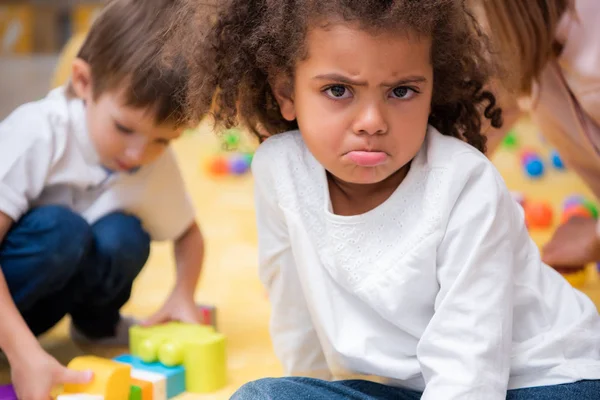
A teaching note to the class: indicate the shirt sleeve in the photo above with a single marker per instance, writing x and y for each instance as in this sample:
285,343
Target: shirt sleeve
25,159
465,350
293,334
167,210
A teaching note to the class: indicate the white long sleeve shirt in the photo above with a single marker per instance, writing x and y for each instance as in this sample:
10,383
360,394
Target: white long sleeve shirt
439,289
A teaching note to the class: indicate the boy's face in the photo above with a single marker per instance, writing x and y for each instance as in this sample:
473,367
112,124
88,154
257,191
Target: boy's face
124,137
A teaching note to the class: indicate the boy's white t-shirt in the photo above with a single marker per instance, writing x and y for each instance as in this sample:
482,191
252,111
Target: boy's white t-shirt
439,289
47,157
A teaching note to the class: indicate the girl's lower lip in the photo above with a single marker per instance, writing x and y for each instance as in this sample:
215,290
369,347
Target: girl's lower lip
367,158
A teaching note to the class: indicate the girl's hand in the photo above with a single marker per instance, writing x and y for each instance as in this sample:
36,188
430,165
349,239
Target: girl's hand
573,244
178,307
35,373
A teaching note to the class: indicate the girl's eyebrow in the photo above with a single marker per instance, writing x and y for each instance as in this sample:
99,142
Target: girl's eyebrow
349,81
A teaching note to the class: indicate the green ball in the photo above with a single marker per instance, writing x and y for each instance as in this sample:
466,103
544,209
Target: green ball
592,208
510,140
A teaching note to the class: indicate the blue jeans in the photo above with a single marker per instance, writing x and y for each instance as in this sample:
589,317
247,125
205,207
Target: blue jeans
307,388
55,264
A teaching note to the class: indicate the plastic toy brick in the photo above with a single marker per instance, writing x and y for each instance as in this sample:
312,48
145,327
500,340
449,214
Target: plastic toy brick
111,379
174,376
198,348
145,387
7,392
158,382
135,392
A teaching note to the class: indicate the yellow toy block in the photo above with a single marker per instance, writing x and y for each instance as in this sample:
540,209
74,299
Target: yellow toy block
198,348
111,379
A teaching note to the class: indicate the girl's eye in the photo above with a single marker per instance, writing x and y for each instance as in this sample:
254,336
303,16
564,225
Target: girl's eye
337,92
403,92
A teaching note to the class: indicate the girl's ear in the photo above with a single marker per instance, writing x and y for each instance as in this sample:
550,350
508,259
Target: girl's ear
283,91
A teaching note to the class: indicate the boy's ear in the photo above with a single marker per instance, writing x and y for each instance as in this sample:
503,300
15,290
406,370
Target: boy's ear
81,79
283,91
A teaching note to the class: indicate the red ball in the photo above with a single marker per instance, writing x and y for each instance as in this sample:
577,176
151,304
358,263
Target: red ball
538,215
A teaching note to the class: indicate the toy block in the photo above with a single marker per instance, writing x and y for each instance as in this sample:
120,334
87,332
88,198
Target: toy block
145,388
158,383
111,379
208,314
80,396
7,392
135,392
199,348
174,376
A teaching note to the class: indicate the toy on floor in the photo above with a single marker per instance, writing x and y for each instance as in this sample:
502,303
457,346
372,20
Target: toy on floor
165,361
7,392
532,164
538,215
510,141
196,348
556,160
233,160
111,379
578,206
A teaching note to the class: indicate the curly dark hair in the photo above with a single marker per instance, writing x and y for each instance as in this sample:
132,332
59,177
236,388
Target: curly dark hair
252,41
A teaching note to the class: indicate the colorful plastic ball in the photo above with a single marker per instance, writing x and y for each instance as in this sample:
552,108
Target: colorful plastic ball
573,200
218,166
534,168
538,215
575,211
510,141
527,155
238,165
556,160
593,209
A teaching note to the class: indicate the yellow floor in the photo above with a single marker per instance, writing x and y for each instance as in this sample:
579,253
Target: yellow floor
225,212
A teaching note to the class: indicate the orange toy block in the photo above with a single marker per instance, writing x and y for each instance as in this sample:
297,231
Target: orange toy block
145,386
111,379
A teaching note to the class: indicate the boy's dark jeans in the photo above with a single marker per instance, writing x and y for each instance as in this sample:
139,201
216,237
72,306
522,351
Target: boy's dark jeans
55,264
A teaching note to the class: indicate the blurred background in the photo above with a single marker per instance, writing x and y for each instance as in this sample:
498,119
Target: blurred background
39,38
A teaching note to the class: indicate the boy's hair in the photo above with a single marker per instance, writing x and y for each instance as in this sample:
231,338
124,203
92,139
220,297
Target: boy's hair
254,41
123,49
525,34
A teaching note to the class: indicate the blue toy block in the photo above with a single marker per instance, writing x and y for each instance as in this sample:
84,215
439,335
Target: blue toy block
175,376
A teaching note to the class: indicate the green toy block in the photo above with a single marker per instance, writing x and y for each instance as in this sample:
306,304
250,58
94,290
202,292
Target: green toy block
199,348
135,393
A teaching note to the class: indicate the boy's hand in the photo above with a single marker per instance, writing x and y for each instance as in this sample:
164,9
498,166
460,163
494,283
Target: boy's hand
178,307
36,373
573,244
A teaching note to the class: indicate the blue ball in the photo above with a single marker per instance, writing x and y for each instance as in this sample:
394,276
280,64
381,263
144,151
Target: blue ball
238,165
556,160
534,168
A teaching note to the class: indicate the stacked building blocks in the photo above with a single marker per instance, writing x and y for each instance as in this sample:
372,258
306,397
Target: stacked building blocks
199,349
112,380
532,163
7,392
173,377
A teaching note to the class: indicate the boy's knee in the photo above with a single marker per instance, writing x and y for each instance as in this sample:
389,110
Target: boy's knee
59,237
122,238
43,251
